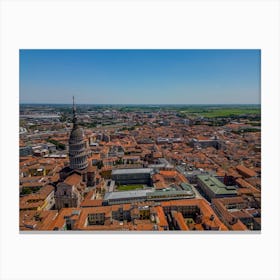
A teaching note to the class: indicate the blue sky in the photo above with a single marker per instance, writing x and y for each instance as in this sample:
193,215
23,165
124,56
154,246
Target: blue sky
140,76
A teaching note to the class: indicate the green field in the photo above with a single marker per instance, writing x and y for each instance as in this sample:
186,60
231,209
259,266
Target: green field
215,112
129,187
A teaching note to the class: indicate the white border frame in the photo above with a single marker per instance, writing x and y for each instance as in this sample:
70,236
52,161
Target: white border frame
139,24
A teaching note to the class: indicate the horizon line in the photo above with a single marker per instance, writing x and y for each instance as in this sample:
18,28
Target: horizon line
135,104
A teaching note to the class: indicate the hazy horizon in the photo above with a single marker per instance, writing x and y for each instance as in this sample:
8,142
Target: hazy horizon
139,104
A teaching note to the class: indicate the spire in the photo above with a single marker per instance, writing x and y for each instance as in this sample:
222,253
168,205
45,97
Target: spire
74,112
77,147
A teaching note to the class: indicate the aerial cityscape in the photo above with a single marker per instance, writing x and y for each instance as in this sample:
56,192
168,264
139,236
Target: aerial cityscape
140,140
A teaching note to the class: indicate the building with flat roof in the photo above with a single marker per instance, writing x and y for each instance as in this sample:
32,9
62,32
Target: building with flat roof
204,143
213,188
25,151
168,195
132,176
111,198
132,171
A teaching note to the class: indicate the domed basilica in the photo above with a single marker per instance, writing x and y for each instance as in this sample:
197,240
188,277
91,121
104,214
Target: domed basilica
80,174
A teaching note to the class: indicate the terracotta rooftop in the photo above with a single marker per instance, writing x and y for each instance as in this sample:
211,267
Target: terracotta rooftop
180,220
60,221
246,171
36,220
73,179
161,216
91,203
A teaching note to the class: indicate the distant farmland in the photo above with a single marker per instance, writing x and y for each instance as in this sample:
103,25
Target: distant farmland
222,112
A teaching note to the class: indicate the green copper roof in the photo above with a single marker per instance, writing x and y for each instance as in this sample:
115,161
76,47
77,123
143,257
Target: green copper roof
216,186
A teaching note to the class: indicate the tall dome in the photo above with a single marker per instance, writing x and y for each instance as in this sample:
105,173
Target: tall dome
77,146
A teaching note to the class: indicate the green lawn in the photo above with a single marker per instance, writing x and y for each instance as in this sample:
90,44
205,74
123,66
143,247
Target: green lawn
129,187
189,221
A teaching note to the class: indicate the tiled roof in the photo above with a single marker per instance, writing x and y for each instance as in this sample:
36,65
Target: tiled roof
73,179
